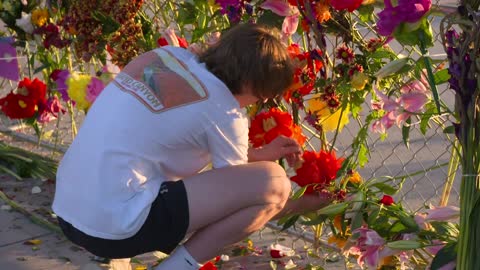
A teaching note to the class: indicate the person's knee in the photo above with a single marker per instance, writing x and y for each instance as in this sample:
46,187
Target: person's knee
277,183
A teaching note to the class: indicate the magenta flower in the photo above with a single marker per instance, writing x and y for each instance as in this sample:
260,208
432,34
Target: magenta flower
94,88
407,11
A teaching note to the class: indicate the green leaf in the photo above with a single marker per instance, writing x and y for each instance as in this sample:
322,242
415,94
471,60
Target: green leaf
362,155
408,221
333,209
441,76
406,132
315,221
373,216
404,245
449,130
109,24
271,19
444,256
385,188
290,222
383,53
299,193
366,13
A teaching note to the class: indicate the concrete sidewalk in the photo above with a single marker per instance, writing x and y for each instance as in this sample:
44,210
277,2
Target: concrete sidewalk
24,245
51,251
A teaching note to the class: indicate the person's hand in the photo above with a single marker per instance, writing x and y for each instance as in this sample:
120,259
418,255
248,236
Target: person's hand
280,147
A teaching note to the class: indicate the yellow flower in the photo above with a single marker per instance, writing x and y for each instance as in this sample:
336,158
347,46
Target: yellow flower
359,80
77,89
368,2
39,17
326,118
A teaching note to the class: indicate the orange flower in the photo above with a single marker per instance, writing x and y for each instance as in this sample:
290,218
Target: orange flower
338,241
322,9
267,126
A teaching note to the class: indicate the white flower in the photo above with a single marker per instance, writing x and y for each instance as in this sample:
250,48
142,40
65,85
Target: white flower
224,258
24,2
25,23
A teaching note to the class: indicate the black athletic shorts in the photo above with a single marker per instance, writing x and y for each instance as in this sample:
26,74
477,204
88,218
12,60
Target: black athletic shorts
164,229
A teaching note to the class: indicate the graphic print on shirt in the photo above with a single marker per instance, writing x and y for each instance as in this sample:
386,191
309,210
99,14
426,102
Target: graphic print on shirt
160,81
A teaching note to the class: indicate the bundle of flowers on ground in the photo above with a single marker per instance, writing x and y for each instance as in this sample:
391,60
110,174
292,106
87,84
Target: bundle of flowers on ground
344,61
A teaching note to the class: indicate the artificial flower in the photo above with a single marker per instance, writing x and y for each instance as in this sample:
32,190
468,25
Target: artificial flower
267,126
387,200
349,5
39,17
318,170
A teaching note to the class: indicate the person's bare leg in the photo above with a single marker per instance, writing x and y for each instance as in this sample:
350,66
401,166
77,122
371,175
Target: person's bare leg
228,204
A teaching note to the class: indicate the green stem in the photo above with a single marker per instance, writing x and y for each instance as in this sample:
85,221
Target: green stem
428,66
452,169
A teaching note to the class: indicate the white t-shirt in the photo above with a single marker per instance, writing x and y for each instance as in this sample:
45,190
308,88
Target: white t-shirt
165,117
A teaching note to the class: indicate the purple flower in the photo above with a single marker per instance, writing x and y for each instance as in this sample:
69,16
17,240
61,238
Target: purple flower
8,59
49,110
60,77
409,11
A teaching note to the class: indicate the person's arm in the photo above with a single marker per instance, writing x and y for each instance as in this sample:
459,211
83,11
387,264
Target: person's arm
306,203
280,147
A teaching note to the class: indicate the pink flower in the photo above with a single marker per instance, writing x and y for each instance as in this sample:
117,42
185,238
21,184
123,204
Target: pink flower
284,9
49,111
371,246
94,88
437,245
442,213
413,98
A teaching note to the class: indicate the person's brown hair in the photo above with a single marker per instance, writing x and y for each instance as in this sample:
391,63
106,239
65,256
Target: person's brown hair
251,55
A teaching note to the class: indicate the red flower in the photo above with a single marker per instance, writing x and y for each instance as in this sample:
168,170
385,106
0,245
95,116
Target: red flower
208,266
17,106
35,89
267,126
350,5
274,253
387,200
162,42
319,169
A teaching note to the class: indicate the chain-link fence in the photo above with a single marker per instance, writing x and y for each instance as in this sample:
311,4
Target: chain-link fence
423,165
